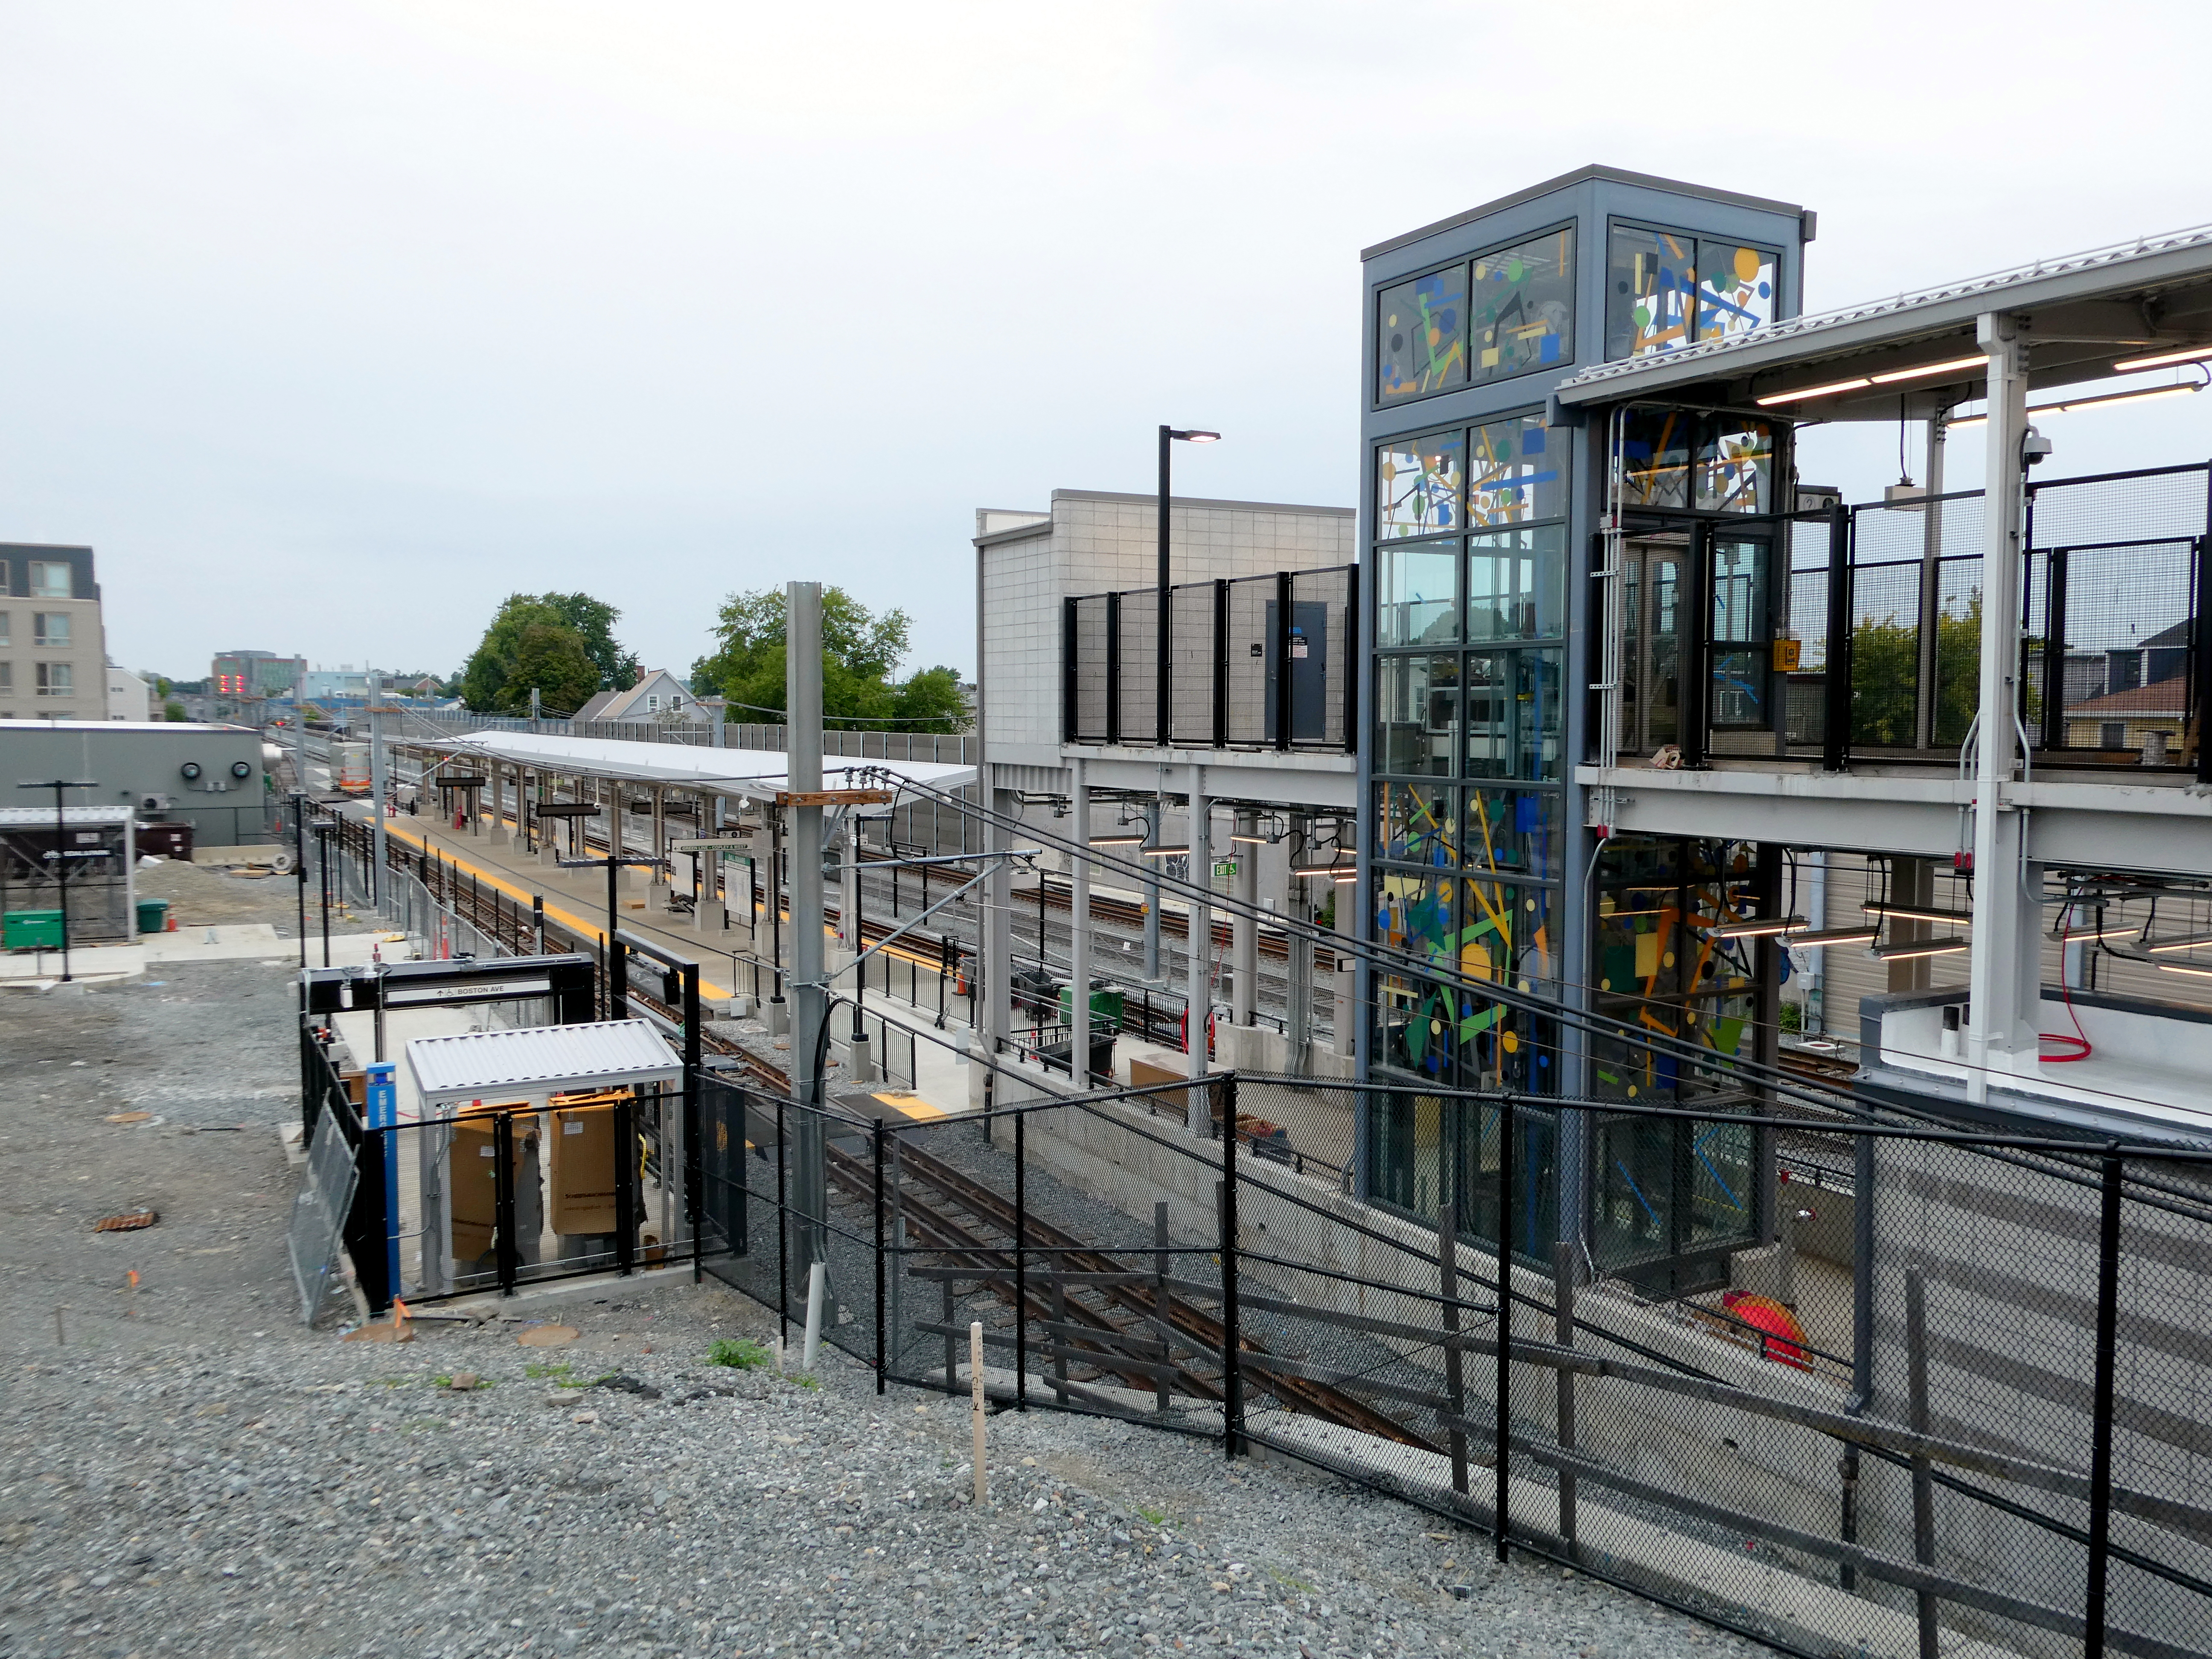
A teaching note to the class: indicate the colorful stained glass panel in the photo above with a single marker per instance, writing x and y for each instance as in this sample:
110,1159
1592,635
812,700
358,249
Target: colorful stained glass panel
1523,306
1735,289
1651,297
1415,825
1420,345
1418,483
1736,467
1517,470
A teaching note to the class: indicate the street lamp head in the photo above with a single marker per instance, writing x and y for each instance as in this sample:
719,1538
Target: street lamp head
1194,437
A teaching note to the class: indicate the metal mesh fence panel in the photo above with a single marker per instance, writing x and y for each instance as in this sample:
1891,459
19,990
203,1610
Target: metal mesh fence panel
1885,655
1192,648
1139,687
1092,641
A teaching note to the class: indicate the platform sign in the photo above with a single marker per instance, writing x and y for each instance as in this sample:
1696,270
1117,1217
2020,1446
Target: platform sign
381,1100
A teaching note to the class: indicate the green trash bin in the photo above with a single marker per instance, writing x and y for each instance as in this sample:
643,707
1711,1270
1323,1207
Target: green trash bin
153,915
31,930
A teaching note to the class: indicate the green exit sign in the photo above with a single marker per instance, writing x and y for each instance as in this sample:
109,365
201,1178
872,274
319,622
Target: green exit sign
1224,868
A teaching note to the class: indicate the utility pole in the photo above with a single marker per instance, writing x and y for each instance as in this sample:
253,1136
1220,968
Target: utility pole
379,781
1152,968
60,786
802,701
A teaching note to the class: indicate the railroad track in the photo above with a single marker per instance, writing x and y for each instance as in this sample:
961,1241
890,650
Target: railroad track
1098,1315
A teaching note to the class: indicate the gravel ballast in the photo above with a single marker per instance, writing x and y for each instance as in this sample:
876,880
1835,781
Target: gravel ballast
184,1470
297,1495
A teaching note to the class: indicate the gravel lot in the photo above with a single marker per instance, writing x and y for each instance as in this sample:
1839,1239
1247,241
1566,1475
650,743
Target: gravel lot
193,1473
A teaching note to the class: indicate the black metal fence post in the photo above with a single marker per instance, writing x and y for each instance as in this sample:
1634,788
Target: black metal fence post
694,1164
625,1188
1232,1374
2100,1445
881,1346
1835,687
504,1242
1021,1264
782,1243
1504,1313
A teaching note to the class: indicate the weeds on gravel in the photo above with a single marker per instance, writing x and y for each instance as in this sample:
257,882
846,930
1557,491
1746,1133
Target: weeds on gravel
538,1369
741,1353
1154,1517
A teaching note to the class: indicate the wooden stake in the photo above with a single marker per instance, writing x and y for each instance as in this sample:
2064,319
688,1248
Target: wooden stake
976,1400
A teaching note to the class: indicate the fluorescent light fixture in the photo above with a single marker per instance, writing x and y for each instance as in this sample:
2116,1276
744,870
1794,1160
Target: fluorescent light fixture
2186,942
2193,355
1136,838
1922,947
1350,874
1329,868
1835,936
1164,852
1252,840
1858,383
2184,968
2072,406
1917,913
1928,369
1751,927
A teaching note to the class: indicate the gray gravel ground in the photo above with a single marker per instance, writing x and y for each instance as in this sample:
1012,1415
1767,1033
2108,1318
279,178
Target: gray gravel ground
193,1473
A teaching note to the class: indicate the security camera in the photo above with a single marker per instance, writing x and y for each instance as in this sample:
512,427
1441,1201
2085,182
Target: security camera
2035,448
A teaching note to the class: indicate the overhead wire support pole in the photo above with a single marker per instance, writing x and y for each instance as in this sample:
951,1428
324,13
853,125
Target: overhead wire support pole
809,1007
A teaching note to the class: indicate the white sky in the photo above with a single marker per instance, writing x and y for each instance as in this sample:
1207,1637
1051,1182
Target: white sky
328,325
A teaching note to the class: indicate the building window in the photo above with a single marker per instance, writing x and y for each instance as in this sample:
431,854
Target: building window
1673,458
7,679
1517,469
1418,483
51,627
51,579
1665,290
1516,584
1417,714
57,679
1523,306
3,621
1504,313
1420,336
1418,603
2113,734
653,702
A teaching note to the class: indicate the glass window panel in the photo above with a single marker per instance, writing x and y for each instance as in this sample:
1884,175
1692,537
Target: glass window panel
1417,714
1536,714
1418,603
1650,278
1655,456
1740,607
1516,830
1420,340
50,580
1736,292
1413,914
1490,715
1736,467
1634,1183
1416,484
1518,470
1414,1034
1414,823
1524,307
1516,584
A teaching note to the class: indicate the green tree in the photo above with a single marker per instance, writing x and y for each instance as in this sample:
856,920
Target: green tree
1886,678
172,710
555,660
492,681
860,651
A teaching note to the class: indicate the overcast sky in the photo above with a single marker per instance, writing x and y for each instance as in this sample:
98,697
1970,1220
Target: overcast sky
329,324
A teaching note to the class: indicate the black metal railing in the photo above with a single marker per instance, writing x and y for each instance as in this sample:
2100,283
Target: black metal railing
1866,644
1258,662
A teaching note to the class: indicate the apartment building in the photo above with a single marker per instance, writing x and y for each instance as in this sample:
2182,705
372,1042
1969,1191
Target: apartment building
53,649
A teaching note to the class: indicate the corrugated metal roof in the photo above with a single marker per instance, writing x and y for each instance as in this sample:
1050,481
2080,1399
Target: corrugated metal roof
10,817
477,1063
732,770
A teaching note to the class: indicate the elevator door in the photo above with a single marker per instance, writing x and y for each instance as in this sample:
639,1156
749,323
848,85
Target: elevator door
1654,572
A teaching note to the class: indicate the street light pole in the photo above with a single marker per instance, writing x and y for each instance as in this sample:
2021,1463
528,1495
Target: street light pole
60,786
1168,436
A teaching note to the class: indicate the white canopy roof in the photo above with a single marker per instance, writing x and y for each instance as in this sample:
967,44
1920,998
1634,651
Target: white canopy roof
728,771
499,1066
